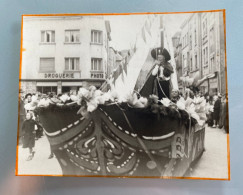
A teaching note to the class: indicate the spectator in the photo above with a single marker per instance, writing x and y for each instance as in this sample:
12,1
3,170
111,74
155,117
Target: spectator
223,115
28,130
216,112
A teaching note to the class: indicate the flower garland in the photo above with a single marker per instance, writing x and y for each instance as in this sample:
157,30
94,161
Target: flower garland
89,99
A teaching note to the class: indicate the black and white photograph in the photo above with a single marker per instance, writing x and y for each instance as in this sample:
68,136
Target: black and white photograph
124,95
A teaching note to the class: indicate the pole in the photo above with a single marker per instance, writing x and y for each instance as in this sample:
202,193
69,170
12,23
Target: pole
162,31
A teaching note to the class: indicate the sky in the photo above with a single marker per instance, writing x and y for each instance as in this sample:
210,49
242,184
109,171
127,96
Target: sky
124,28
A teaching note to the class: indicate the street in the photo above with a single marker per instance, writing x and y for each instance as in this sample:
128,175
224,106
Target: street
213,163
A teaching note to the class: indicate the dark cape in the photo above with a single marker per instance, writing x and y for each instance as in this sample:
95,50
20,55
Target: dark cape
28,130
151,86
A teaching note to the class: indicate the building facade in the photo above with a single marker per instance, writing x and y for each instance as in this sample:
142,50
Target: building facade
177,46
62,53
203,50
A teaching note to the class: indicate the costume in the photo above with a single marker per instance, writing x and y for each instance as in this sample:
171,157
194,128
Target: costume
28,130
158,81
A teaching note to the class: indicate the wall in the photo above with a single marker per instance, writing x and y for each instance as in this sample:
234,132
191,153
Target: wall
84,50
9,59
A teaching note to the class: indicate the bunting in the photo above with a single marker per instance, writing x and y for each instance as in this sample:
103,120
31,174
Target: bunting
148,26
143,34
125,65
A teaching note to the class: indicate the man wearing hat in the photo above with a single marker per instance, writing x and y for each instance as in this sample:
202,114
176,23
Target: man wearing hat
159,78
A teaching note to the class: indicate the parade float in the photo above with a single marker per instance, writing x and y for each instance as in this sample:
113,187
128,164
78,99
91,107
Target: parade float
114,131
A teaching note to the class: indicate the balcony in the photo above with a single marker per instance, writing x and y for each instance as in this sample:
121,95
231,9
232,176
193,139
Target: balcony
94,74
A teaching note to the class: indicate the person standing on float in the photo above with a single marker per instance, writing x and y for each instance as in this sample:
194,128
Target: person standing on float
159,77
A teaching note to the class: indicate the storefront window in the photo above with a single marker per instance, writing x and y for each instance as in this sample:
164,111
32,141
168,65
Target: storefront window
47,89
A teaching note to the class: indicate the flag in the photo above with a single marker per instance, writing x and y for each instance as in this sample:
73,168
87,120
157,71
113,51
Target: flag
143,34
147,26
125,65
121,71
115,74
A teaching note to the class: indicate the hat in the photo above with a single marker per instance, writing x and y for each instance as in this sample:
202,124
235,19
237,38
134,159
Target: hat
219,95
160,51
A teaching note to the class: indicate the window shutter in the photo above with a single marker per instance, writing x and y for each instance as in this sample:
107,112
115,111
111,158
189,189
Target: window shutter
53,36
42,36
66,64
77,64
47,64
77,37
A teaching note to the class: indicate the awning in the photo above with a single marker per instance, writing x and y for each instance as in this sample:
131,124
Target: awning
72,84
46,84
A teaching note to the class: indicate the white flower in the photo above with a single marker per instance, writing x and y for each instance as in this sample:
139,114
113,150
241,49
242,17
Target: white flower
64,98
188,102
138,105
143,100
83,92
91,106
165,101
97,93
100,99
34,98
106,96
114,95
181,104
74,98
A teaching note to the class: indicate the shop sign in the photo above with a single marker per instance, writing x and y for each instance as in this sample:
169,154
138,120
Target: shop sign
59,75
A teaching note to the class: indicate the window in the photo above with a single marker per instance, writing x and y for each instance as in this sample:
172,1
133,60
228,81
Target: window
212,40
47,65
72,36
191,64
206,55
190,41
96,64
195,36
205,27
96,68
183,61
212,64
71,64
196,61
96,36
47,90
47,36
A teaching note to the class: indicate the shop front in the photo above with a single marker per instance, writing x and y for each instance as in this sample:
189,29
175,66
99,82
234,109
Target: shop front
58,86
211,85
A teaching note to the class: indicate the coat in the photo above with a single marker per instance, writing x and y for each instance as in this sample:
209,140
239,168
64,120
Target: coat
151,86
28,130
21,116
216,109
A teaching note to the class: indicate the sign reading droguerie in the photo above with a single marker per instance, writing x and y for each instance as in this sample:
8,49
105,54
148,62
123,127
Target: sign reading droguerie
59,76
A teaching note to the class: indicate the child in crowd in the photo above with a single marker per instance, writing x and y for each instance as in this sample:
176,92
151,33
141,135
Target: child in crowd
28,129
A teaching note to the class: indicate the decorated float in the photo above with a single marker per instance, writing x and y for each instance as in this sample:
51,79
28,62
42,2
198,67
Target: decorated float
115,131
